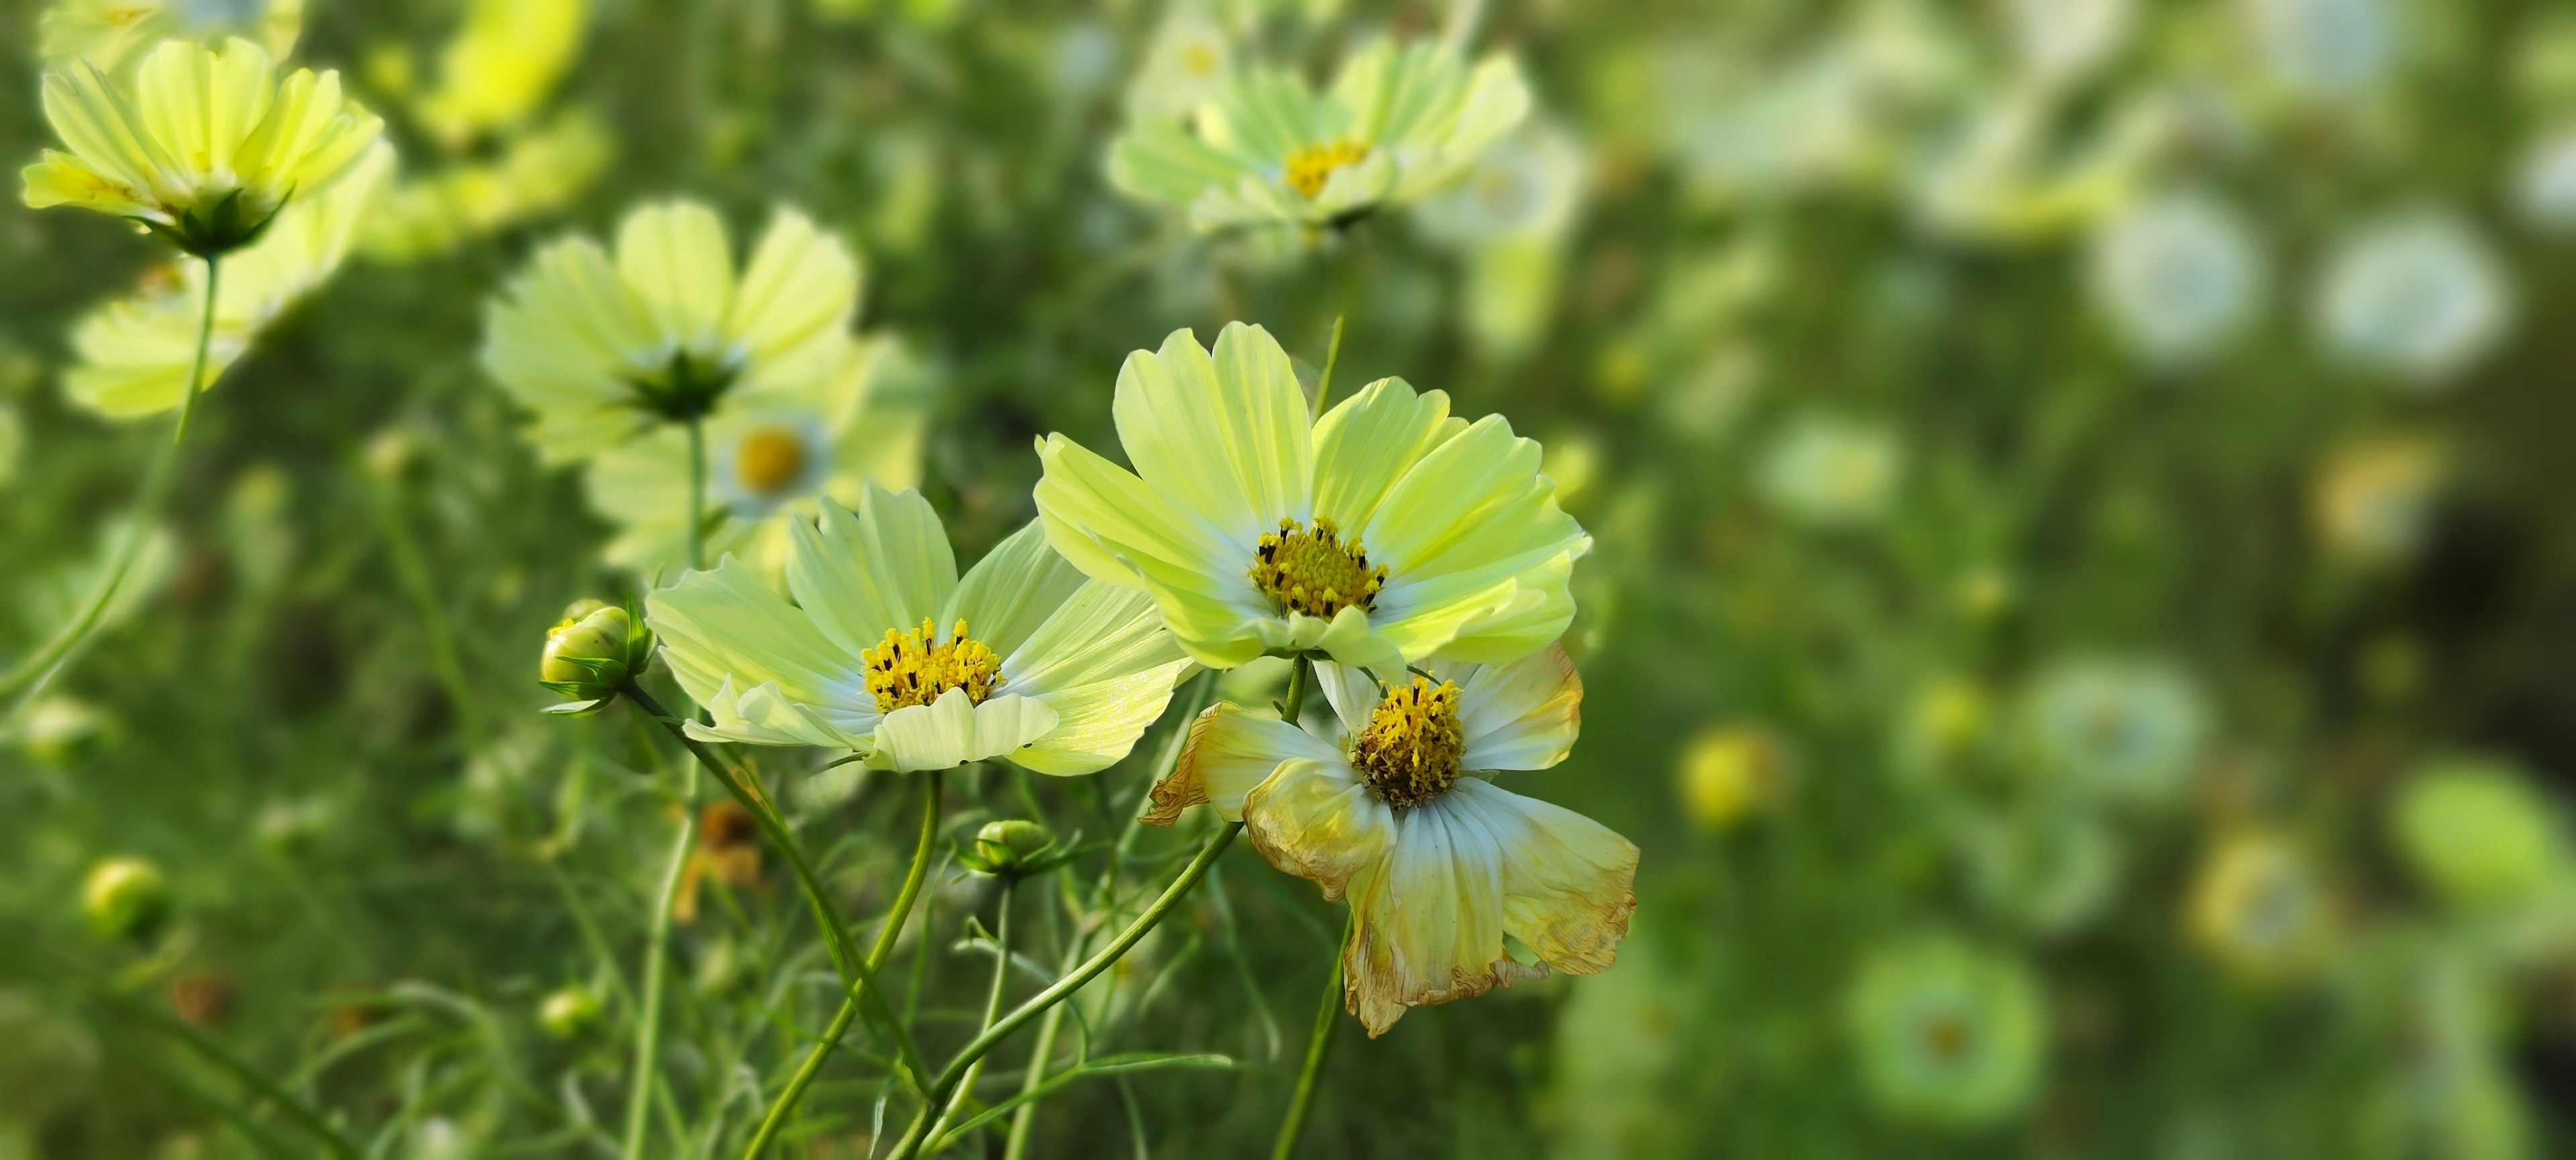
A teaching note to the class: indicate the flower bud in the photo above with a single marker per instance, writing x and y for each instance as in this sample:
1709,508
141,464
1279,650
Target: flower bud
126,898
591,654
1009,848
568,1012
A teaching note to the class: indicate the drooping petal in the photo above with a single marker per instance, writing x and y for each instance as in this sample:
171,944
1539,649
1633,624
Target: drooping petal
1103,662
1314,818
1430,915
1353,693
954,730
726,625
885,566
1521,715
1224,437
1230,750
1568,882
676,260
1368,441
1012,590
801,286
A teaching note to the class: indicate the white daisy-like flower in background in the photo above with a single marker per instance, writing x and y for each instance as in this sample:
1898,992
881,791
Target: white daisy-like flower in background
2178,274
2544,186
2325,48
136,353
2117,729
1528,185
2417,296
1831,471
1390,804
1188,62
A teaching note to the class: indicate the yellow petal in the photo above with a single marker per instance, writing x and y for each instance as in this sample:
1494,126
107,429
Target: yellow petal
1102,661
800,288
1430,915
1369,440
1012,590
1231,749
1223,438
62,179
1313,817
676,259
886,565
727,625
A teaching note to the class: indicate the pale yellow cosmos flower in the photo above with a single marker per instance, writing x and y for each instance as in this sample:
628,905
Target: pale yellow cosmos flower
600,346
887,652
204,149
502,64
1385,532
1391,806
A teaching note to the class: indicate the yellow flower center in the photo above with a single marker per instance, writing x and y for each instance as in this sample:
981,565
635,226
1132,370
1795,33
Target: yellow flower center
914,668
769,460
1313,572
1199,60
1946,1036
1412,745
1310,166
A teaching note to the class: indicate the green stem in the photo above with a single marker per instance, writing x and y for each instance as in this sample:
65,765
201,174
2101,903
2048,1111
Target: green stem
697,493
412,568
1324,383
214,1052
1327,1019
648,1025
949,1077
992,1008
30,675
785,1104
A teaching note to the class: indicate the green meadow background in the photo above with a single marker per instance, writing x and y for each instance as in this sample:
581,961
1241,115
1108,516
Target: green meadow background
2042,740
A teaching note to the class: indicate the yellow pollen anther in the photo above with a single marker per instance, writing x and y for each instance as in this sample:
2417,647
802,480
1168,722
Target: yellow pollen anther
1411,748
769,460
914,668
1309,166
1314,572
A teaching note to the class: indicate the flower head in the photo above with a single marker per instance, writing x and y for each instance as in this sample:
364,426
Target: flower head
2259,906
591,654
1386,532
2418,297
113,33
2373,500
600,346
2178,274
1390,804
1830,471
2120,730
1267,149
204,149
1947,1032
501,65
888,653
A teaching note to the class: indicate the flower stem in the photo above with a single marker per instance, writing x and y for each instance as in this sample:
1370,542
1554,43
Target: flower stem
949,1077
1327,1019
697,493
648,1019
213,1051
31,674
992,1007
1324,383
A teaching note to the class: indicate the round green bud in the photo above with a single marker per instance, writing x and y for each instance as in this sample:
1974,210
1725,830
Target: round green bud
590,655
1010,846
126,898
568,1012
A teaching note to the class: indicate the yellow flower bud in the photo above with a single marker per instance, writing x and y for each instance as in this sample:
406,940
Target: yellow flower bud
591,654
126,898
1728,773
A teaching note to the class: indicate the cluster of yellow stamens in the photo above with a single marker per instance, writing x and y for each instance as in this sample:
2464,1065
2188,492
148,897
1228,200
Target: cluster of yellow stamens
1315,572
768,460
1309,166
1412,745
914,668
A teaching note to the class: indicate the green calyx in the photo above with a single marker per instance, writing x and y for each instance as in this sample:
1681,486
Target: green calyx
1012,848
216,226
685,388
591,655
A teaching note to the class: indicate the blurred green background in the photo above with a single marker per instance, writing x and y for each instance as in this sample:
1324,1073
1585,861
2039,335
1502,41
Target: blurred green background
2082,626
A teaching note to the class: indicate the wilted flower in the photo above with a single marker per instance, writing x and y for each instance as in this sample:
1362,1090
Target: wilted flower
2258,904
1034,664
2325,48
136,353
2475,832
600,347
1391,805
1728,772
113,33
591,655
2545,184
1947,1032
2178,273
204,149
1386,532
2417,296
569,1011
126,898
2372,500
1267,149
1831,471
1008,848
2122,730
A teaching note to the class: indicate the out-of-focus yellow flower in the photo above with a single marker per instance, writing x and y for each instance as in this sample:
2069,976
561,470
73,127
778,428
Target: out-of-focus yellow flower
135,353
2371,501
205,148
1390,805
1189,61
1267,149
537,172
1384,532
1729,772
888,653
1948,718
600,347
2258,904
502,65
113,33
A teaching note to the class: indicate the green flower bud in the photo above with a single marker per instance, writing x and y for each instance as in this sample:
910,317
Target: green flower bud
126,898
1010,847
2474,831
591,654
568,1012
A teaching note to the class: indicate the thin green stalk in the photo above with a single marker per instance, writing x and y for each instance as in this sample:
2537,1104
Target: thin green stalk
1327,1019
648,1023
697,493
214,1052
412,569
1324,384
950,1076
30,675
785,1104
992,1007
